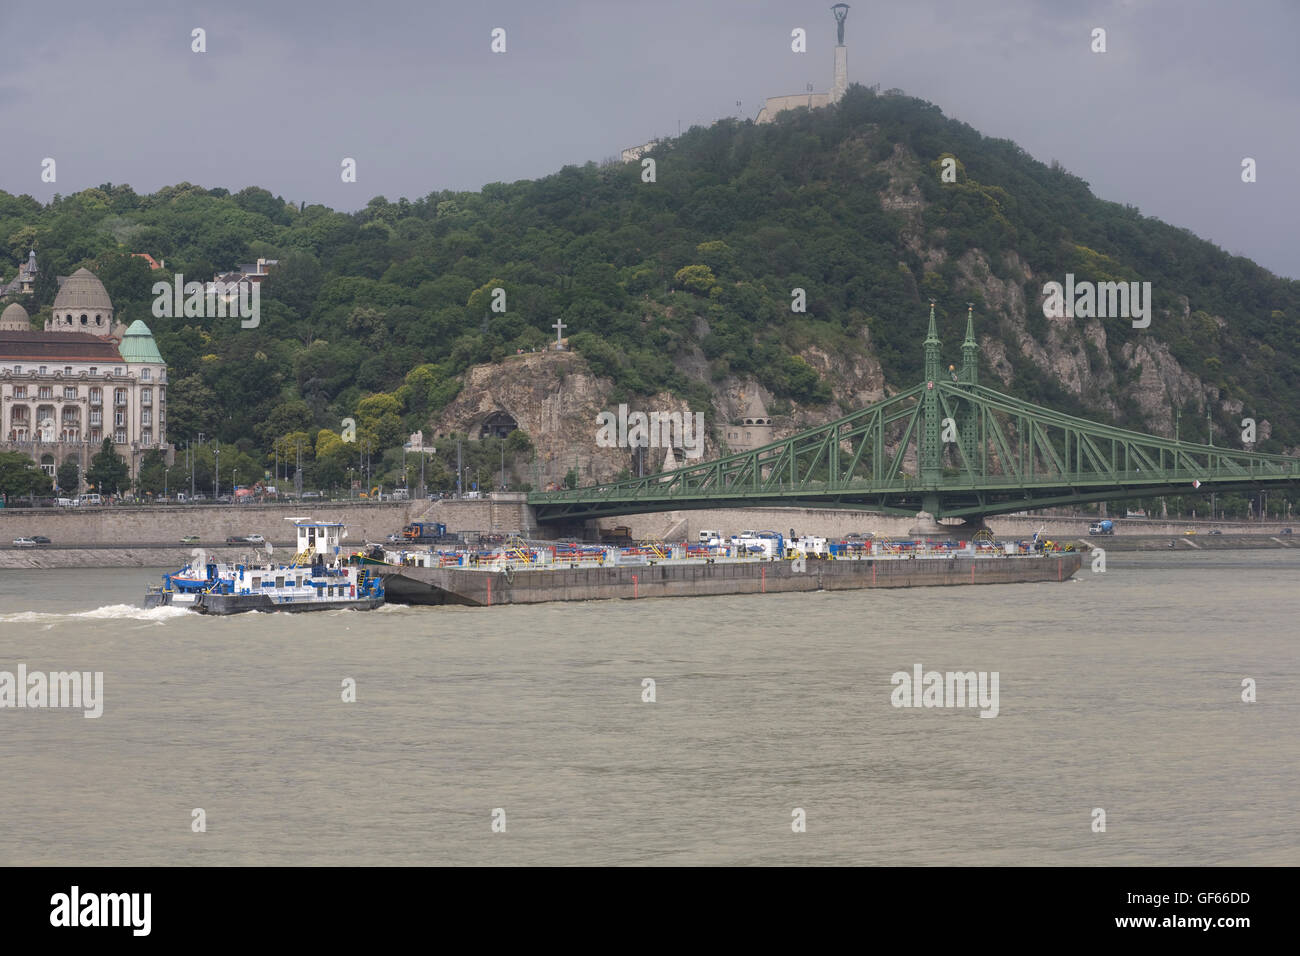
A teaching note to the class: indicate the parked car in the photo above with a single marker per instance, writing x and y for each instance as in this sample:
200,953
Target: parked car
199,498
254,539
236,539
90,499
40,539
395,539
1216,531
24,543
1286,530
190,539
1190,531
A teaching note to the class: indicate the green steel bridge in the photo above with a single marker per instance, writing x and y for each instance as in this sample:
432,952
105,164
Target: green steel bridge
948,446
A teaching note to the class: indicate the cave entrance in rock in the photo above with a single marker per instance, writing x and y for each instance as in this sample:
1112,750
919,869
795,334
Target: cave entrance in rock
497,425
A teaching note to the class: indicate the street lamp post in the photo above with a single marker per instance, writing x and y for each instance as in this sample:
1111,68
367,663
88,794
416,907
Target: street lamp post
216,470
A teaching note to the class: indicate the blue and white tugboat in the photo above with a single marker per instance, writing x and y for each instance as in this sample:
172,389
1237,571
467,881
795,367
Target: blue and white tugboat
317,579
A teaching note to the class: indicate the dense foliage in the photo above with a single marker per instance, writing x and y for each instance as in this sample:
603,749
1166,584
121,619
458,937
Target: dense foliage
373,315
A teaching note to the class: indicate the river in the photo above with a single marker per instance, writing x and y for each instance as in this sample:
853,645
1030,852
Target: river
1118,691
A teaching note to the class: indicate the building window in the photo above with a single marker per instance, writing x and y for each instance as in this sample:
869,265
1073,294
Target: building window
146,396
144,374
20,391
43,372
96,418
119,396
146,417
17,369
44,391
119,419
96,396
70,394
146,438
93,370
67,370
119,437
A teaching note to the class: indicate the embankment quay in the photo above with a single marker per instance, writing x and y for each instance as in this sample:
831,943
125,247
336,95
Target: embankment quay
151,525
149,536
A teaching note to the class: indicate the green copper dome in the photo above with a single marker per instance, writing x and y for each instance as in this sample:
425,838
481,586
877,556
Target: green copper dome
138,345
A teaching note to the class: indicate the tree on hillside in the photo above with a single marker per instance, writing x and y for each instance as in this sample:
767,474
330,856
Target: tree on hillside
192,407
107,473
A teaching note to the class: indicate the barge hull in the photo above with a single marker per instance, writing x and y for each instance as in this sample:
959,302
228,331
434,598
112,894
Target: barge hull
415,585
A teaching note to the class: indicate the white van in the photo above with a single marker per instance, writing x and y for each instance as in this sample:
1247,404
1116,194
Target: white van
65,502
91,500
401,494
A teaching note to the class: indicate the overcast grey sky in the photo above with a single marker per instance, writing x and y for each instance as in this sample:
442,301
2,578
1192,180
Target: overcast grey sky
411,90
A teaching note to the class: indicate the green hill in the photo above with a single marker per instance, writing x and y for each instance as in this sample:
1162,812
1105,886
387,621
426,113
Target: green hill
684,282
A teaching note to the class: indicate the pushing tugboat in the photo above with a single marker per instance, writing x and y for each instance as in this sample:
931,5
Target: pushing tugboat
317,579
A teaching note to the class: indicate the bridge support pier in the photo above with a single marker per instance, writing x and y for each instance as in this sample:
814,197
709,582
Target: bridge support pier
928,526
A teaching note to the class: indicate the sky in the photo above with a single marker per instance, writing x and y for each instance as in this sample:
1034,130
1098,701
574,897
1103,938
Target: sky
412,91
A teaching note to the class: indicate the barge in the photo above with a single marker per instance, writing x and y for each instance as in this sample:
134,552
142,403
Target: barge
524,574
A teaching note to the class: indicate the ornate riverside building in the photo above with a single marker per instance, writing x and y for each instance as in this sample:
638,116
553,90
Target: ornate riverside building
85,378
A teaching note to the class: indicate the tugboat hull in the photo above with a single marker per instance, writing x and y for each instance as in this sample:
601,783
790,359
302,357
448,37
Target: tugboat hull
239,603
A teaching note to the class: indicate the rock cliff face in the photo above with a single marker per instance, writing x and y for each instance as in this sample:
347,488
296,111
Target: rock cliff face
555,398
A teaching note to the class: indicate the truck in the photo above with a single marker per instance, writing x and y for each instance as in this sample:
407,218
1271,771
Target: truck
810,546
1102,527
424,532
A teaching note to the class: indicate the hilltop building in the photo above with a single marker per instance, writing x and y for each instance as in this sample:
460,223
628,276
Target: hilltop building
633,153
25,282
839,78
84,378
227,285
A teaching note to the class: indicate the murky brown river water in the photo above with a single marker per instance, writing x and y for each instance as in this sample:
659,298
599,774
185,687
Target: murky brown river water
1120,691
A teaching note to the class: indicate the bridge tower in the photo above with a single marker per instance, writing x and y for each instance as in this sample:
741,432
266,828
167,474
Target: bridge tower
969,375
931,463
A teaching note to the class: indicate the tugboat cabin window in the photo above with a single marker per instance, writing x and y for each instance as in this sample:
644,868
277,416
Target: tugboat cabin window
257,582
279,581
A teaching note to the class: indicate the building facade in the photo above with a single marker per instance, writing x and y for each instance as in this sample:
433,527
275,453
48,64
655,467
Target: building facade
81,380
